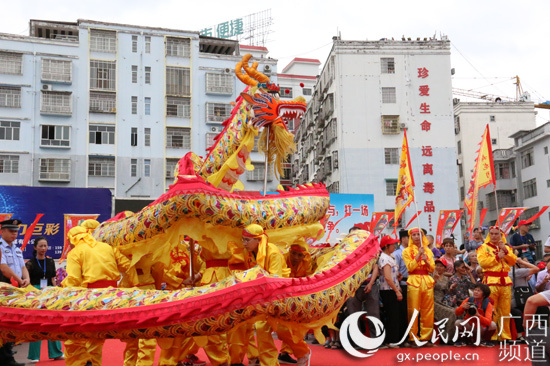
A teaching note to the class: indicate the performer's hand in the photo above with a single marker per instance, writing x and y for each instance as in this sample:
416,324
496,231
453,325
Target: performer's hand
421,251
465,306
453,287
368,288
24,283
501,254
424,257
399,276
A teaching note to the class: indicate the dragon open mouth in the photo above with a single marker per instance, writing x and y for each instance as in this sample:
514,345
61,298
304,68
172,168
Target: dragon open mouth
289,112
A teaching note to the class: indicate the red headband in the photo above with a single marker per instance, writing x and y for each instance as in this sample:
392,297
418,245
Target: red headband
495,227
298,248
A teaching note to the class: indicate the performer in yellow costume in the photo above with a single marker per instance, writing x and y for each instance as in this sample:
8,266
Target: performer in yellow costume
298,260
177,276
496,258
241,340
269,257
92,264
141,352
420,294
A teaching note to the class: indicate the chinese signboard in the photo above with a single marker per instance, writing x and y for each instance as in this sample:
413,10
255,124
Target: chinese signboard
227,29
25,203
344,212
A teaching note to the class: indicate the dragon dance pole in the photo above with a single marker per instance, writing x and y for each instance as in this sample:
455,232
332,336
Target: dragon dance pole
266,163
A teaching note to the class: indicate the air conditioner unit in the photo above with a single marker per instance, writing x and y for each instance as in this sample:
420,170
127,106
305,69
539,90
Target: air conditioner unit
403,126
227,70
267,68
47,87
458,161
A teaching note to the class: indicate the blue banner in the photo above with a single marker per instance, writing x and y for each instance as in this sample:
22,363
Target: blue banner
344,212
25,203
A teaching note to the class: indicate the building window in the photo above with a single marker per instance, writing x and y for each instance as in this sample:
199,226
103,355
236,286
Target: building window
147,44
527,214
10,97
146,167
493,141
134,43
492,119
9,130
258,173
179,47
530,188
513,169
390,125
9,164
133,167
55,136
147,106
527,158
388,65
546,150
147,74
178,137
461,194
134,104
57,70
459,147
491,202
134,74
218,112
101,134
391,155
11,63
147,134
210,139
102,102
178,81
388,95
285,92
178,107
101,167
391,187
548,183
102,41
134,137
56,102
460,170
103,75
55,170
171,165
307,91
506,198
219,83
502,171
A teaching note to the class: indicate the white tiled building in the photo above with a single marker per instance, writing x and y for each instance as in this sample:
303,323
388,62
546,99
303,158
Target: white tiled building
95,104
368,93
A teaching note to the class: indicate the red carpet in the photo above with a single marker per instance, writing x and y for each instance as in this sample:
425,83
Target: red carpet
113,350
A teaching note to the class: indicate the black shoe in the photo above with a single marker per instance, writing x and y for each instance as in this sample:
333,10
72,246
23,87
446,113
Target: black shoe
285,358
89,363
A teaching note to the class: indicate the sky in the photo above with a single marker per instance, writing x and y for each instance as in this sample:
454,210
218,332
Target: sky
491,42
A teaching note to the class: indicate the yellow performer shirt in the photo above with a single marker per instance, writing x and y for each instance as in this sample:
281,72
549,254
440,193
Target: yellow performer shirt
274,261
417,269
496,270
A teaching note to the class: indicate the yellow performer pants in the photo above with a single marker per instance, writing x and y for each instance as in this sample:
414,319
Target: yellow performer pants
299,349
241,342
140,352
76,353
216,349
421,299
502,296
269,354
174,350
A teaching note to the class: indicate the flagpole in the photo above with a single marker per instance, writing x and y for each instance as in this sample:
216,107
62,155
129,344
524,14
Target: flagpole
266,166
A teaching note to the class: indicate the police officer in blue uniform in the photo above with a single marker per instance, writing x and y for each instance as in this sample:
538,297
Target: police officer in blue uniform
12,265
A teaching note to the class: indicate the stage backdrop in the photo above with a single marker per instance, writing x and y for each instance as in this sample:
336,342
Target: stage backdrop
26,202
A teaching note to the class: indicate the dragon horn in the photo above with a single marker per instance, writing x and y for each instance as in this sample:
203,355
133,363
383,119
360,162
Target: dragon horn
245,78
252,70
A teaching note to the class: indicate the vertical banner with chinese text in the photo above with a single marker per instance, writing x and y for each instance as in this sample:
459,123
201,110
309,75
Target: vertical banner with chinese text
446,224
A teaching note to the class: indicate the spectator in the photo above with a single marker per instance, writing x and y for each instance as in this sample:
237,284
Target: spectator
479,306
480,274
42,274
449,247
437,253
398,255
524,242
542,279
547,246
459,285
476,242
441,286
535,302
390,291
520,275
471,260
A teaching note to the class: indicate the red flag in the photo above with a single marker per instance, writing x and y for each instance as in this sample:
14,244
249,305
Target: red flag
448,219
414,217
538,214
29,231
482,216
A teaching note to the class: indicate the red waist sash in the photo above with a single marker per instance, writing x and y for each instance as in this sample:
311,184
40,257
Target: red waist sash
216,263
102,284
